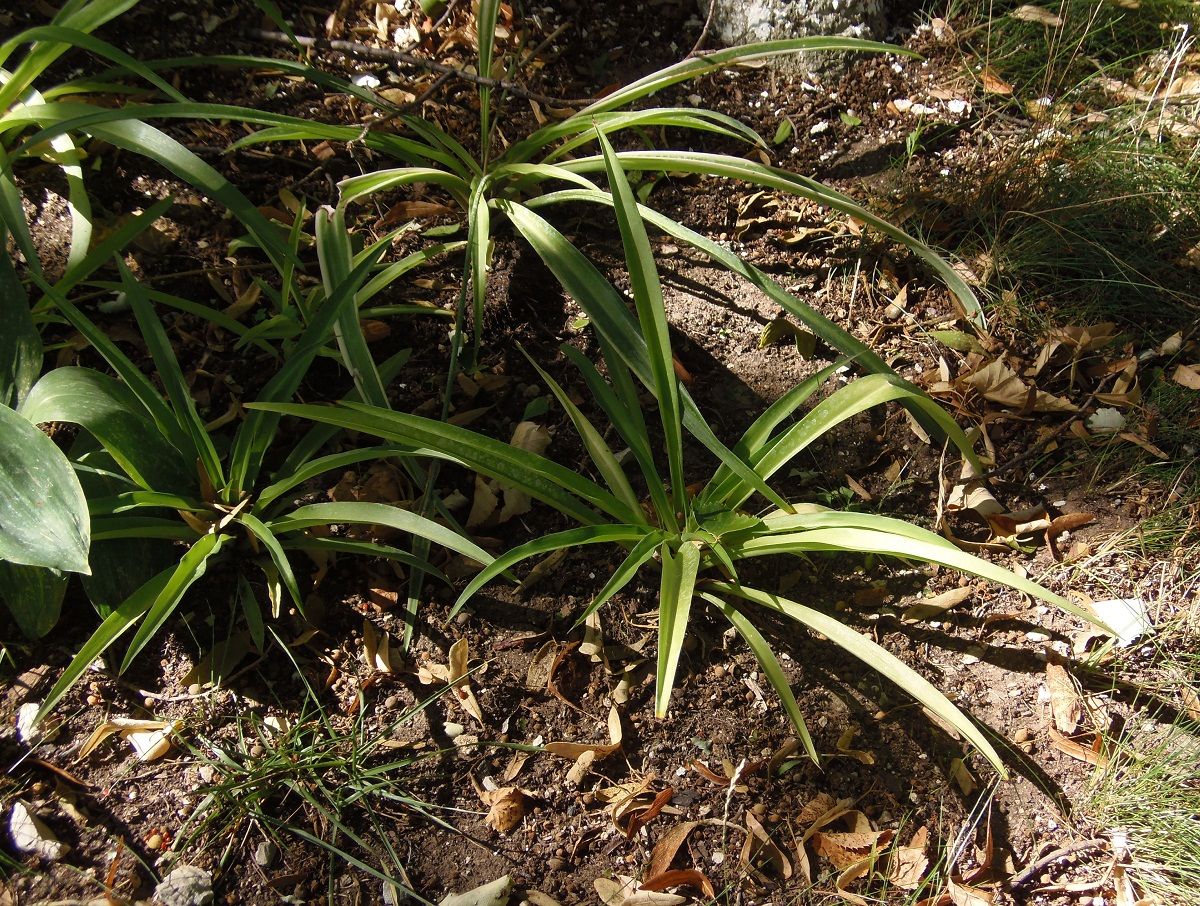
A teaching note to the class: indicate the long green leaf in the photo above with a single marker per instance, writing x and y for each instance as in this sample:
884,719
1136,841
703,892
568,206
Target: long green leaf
20,342
12,215
652,317
674,606
110,528
771,668
358,187
114,626
621,576
591,534
537,476
43,513
877,657
485,26
318,466
275,551
191,567
357,513
479,241
109,411
784,181
362,549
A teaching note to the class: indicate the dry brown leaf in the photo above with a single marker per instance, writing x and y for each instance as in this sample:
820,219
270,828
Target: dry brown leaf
612,892
962,776
1067,522
507,807
515,764
654,898
667,846
377,649
759,847
1030,13
1191,702
543,568
1092,754
908,864
843,747
992,83
844,849
998,383
573,750
150,739
593,638
820,805
964,895
1187,376
458,672
537,676
581,768
937,605
681,877
415,210
1066,707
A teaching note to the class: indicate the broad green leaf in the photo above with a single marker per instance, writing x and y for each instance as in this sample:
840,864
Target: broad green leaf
114,626
591,534
200,444
356,513
537,476
191,567
34,595
43,513
109,411
652,317
783,181
770,665
674,606
20,342
599,451
874,656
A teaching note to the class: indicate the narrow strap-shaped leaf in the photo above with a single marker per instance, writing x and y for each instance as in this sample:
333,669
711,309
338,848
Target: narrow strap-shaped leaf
522,174
12,216
590,534
112,628
771,668
638,555
127,501
485,25
676,589
863,541
536,475
275,551
362,549
463,161
191,567
627,419
392,272
784,181
358,187
318,466
599,451
109,528
334,254
607,311
652,317
478,243
360,513
781,523
171,375
876,657
43,511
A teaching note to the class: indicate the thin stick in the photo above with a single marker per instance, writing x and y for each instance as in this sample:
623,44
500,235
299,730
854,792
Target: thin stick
1033,871
712,6
398,56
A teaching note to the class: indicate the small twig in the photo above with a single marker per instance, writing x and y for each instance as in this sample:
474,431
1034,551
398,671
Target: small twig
1041,443
699,45
1032,872
398,56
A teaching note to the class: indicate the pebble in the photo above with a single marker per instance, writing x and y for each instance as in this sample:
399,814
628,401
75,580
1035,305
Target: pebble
207,773
194,689
556,863
154,843
265,854
187,885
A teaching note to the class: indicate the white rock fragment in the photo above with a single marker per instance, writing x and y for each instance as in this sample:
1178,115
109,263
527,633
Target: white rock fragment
1106,421
902,104
958,106
30,835
187,885
818,128
1127,617
366,80
921,110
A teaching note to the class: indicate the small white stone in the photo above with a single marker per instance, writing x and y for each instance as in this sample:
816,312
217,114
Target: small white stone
958,106
366,80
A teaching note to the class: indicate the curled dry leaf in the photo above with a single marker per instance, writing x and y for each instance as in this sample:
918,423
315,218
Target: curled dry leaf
668,845
1030,13
593,638
1187,376
999,384
507,804
150,739
908,864
689,877
601,750
613,891
1092,753
843,747
494,893
30,834
377,649
537,676
759,848
930,608
962,776
845,849
1066,707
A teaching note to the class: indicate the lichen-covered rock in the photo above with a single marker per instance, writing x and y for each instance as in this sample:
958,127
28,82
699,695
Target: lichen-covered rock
186,885
746,21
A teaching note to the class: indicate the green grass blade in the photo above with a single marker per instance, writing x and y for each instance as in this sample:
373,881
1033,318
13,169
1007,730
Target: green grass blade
136,500
771,668
478,245
114,626
190,568
878,658
599,451
110,528
12,216
652,317
357,513
200,443
485,27
392,272
537,476
20,343
590,534
674,606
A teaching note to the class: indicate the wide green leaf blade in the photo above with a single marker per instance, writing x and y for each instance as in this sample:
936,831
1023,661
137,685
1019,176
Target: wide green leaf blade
191,567
590,534
20,342
43,513
877,657
359,513
674,607
109,411
537,476
34,596
652,317
771,668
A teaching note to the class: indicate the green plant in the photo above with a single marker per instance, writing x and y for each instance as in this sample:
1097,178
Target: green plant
158,473
696,541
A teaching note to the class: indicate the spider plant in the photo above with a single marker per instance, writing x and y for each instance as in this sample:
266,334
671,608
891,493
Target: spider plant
696,542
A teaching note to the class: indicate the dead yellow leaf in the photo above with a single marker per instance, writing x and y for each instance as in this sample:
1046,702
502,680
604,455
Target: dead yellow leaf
843,747
937,605
1187,376
507,807
1065,705
992,83
908,864
1030,13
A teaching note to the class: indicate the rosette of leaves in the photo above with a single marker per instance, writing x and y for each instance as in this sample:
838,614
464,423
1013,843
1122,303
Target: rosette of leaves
695,543
154,471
